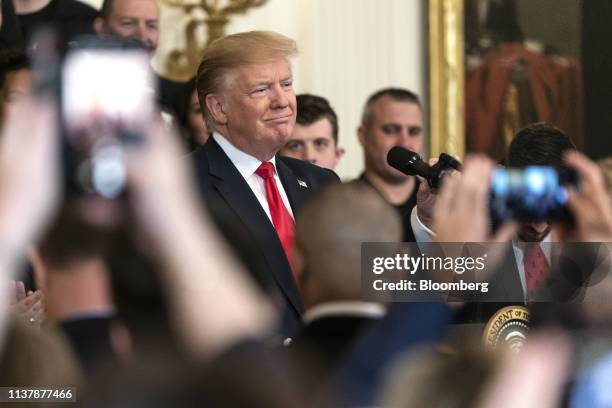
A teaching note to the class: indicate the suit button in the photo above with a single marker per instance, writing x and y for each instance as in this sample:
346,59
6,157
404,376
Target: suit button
287,341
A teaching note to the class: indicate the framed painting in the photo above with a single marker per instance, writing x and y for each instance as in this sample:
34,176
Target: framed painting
498,65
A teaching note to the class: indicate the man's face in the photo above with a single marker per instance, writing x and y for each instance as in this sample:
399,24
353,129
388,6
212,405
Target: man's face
314,143
259,107
393,123
17,85
138,19
534,231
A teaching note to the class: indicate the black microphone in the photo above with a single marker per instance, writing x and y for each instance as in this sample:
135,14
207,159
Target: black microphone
408,162
449,161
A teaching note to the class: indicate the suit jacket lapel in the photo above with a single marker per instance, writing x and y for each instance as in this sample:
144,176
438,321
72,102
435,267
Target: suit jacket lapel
295,188
512,278
506,280
235,191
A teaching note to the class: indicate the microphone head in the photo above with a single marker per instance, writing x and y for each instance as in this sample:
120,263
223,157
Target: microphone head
450,161
403,160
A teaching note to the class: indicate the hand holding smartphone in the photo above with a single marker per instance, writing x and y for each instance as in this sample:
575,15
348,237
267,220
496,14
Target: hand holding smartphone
535,193
107,101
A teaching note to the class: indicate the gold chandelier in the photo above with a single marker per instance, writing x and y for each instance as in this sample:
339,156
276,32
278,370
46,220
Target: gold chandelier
183,63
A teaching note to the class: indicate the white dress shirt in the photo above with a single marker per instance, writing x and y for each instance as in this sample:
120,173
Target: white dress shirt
424,234
247,165
420,230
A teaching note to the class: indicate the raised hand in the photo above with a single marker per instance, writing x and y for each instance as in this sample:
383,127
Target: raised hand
591,204
29,173
462,208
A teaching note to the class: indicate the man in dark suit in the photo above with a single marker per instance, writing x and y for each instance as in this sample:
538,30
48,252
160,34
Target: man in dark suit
245,88
538,144
524,275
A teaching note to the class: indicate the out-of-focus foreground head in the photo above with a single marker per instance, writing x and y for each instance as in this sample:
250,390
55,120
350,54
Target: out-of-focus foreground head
439,379
37,356
330,229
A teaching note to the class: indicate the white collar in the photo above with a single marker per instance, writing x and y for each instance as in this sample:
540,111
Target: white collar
522,244
545,244
244,162
345,308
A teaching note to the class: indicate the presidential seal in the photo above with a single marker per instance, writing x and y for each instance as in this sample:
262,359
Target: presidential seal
507,328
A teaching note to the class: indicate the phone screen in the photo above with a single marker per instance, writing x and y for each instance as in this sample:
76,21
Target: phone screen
107,86
534,193
107,97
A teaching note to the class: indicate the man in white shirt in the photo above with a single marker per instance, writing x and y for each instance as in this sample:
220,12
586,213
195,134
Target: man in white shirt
537,144
245,87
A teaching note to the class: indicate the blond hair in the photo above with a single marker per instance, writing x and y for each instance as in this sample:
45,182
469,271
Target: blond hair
234,51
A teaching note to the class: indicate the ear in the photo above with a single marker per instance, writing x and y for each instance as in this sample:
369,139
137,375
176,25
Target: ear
339,153
215,107
361,135
98,25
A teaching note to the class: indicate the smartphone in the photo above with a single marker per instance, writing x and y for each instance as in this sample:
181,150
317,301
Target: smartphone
535,193
107,100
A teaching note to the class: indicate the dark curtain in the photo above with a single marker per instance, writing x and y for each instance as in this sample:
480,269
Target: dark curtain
597,68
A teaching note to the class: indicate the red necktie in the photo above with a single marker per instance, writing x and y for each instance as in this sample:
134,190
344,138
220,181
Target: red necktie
536,268
280,216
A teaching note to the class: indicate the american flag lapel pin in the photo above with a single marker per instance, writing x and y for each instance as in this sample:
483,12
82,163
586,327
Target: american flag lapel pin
302,184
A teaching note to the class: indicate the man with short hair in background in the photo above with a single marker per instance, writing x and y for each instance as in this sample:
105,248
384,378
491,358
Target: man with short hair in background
315,136
392,117
137,19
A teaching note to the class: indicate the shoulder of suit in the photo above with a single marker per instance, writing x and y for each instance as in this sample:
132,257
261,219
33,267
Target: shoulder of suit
303,168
